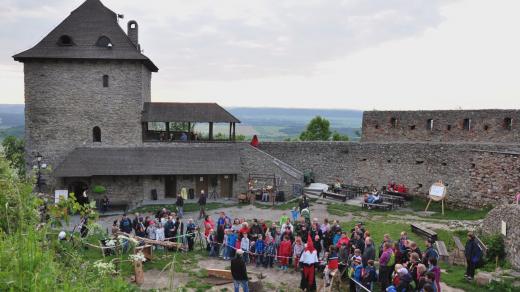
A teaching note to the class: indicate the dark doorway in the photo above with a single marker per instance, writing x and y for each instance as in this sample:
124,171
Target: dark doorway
170,186
78,188
226,186
201,183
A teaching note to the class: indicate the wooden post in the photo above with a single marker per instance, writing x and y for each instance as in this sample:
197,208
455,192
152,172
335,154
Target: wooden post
167,131
442,204
428,205
230,130
139,273
234,127
189,131
211,131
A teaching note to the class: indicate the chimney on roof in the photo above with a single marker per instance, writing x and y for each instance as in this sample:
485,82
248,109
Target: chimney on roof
133,33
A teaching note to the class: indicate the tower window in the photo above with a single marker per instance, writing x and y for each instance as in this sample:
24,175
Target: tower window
508,124
65,40
393,122
104,41
448,127
467,124
105,80
96,134
429,125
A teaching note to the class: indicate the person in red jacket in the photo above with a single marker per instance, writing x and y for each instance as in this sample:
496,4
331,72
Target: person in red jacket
332,264
343,239
284,252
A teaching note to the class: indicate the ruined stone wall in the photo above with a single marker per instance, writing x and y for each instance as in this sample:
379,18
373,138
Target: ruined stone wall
65,100
491,126
492,225
475,174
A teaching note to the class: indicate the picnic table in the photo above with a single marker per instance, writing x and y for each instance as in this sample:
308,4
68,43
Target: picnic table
396,201
335,196
383,206
421,230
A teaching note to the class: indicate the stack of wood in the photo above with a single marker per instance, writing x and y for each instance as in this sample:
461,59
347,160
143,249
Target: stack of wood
167,244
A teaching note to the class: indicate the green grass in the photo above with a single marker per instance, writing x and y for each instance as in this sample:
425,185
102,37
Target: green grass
188,207
418,204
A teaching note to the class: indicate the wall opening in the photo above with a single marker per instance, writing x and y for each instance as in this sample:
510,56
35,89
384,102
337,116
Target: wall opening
429,125
104,41
412,127
376,126
473,165
448,127
486,127
419,161
96,134
508,124
105,80
466,124
393,122
65,40
444,164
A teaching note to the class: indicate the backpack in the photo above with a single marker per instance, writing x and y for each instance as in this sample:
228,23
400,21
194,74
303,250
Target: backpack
391,261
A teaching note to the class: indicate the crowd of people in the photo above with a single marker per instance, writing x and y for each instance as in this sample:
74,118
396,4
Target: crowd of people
305,245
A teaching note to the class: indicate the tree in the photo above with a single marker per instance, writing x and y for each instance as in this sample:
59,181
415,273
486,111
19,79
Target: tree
318,129
339,137
14,151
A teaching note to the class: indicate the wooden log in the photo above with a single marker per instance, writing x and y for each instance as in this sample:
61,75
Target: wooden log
223,274
139,273
167,244
147,251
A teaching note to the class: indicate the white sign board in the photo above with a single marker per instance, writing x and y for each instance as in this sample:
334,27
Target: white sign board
504,228
437,191
60,194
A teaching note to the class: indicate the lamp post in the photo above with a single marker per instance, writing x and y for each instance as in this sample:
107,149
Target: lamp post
39,166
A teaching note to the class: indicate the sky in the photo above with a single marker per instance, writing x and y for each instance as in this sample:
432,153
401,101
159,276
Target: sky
355,54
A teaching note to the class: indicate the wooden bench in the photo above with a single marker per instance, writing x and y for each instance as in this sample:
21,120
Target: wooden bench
335,196
394,200
383,206
421,230
458,257
443,251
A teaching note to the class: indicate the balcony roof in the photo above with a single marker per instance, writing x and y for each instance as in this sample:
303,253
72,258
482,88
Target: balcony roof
186,112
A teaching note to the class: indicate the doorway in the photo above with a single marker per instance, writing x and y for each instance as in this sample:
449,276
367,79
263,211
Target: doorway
78,188
226,186
170,186
201,183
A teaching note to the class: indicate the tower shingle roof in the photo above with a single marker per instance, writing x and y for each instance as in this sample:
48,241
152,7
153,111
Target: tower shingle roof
85,25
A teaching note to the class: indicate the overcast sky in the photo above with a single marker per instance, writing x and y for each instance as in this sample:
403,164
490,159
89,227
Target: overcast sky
360,54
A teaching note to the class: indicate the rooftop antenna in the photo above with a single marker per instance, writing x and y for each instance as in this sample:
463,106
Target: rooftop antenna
120,16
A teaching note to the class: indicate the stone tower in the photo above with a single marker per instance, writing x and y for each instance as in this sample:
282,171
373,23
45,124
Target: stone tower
85,84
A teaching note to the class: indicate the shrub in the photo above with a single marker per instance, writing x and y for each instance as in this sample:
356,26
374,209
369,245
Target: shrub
99,189
496,247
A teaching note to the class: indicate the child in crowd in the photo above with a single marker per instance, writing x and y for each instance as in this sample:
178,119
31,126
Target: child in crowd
369,276
294,214
244,246
355,273
284,252
436,271
259,250
159,234
297,251
252,251
230,244
223,247
332,264
212,239
270,251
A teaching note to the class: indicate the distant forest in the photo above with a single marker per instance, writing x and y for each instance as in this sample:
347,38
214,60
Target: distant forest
270,124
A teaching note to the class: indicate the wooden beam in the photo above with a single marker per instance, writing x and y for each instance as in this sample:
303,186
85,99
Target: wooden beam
234,128
223,274
167,131
189,131
211,131
230,125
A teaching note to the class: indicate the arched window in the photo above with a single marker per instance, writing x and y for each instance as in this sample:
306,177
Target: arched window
96,134
105,80
65,40
104,41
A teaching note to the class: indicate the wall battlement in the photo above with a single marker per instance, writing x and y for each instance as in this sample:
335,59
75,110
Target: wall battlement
494,126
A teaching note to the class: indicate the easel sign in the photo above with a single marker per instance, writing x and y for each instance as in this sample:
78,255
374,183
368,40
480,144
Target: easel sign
437,193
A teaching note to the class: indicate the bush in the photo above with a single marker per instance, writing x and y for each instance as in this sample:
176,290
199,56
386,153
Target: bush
99,189
496,247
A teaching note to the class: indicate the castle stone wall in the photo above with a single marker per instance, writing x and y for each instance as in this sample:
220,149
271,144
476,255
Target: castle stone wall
492,224
65,100
475,174
448,126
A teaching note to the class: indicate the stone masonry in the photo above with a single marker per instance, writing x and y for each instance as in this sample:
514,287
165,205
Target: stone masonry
492,225
495,126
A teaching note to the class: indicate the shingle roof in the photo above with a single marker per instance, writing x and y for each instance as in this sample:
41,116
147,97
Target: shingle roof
154,160
186,112
84,26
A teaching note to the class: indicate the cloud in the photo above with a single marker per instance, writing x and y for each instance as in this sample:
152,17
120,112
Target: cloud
215,40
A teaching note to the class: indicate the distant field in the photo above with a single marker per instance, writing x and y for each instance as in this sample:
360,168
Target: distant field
270,124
